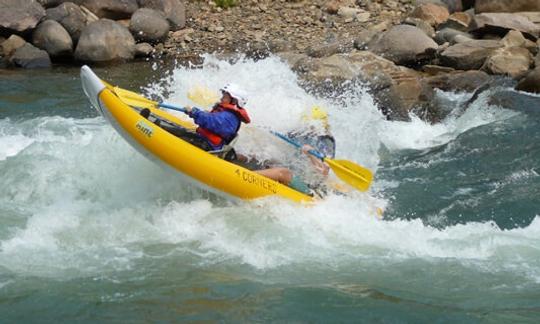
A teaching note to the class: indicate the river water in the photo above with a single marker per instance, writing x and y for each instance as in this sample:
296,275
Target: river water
91,231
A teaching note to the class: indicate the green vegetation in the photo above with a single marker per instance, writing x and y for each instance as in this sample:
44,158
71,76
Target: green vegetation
225,3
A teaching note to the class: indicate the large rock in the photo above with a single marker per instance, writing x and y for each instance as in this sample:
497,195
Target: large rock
531,82
53,38
403,44
458,81
11,44
20,15
397,89
469,55
148,25
30,57
112,9
506,5
510,61
71,16
105,40
174,10
501,23
431,13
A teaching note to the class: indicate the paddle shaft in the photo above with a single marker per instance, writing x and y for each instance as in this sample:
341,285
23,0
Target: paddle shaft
173,107
290,141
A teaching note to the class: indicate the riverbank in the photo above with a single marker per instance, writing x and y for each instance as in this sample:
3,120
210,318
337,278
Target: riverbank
402,50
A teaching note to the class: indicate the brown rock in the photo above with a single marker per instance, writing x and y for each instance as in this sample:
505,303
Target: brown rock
506,5
105,40
469,55
510,61
174,11
20,15
501,23
112,9
53,38
30,57
70,16
431,13
403,44
531,82
11,44
458,81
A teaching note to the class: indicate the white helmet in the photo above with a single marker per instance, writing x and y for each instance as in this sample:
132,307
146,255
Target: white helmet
236,92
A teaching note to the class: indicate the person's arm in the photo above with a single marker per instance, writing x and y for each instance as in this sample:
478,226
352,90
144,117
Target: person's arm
317,163
222,123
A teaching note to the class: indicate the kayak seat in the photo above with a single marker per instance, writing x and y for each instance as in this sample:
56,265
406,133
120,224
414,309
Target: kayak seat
227,152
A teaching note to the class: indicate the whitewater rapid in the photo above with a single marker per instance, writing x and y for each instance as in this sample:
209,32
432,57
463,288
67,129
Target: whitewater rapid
77,200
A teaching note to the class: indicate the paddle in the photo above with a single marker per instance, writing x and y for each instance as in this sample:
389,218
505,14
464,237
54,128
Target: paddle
348,171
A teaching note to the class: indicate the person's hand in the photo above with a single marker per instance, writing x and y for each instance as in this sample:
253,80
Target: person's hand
188,109
306,148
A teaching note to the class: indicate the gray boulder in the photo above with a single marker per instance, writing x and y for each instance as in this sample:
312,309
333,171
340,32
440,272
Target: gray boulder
501,23
148,25
469,55
531,82
30,57
71,16
403,44
105,40
506,5
53,38
112,9
174,11
20,15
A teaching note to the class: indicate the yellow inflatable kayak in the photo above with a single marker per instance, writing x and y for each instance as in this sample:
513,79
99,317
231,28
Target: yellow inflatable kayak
202,168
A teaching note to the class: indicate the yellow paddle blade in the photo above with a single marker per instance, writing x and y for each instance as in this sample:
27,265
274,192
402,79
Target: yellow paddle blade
134,99
351,173
202,96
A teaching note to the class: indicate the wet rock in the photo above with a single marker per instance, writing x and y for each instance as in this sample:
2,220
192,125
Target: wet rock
469,55
448,35
510,61
30,57
143,50
501,23
403,44
148,25
174,11
11,44
105,40
431,13
458,81
506,5
71,17
531,82
112,9
20,15
53,38
397,89
436,69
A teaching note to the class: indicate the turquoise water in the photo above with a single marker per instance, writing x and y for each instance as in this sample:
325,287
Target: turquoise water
91,231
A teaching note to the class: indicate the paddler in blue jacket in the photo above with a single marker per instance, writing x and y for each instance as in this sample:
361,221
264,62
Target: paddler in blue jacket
217,127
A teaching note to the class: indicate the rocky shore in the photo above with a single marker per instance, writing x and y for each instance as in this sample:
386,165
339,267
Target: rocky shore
403,50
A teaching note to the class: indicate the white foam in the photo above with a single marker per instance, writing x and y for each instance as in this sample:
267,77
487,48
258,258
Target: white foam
94,203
